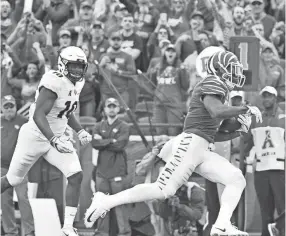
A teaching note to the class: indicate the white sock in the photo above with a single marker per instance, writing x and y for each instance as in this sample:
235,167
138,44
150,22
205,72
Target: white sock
70,213
229,200
139,193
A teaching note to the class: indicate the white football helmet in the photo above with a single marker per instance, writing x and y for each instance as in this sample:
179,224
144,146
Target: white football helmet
202,59
72,63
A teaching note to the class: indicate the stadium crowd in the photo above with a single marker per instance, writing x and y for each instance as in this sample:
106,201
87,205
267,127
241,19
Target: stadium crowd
148,50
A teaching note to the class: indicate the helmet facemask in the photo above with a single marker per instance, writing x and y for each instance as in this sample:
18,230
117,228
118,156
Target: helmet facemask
232,74
74,70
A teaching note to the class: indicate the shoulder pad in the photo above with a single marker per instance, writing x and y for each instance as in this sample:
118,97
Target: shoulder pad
214,86
52,81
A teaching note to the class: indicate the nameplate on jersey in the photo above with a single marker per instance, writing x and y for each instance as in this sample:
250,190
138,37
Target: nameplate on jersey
72,92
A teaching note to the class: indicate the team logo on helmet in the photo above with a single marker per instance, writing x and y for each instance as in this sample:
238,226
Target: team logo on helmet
226,65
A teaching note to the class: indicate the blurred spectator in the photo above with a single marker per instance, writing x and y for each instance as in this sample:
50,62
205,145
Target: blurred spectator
269,143
146,18
277,37
10,64
113,23
118,66
181,212
132,43
260,16
27,82
56,11
170,77
111,137
189,42
178,19
10,127
162,32
271,73
83,23
99,44
89,97
156,60
8,24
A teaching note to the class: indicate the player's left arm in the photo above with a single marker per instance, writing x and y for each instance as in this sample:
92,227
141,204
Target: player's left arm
222,136
84,136
74,123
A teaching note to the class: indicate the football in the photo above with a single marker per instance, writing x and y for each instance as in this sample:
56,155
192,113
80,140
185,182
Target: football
229,125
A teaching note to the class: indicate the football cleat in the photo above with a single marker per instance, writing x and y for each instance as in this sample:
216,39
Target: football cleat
69,231
96,209
273,231
229,230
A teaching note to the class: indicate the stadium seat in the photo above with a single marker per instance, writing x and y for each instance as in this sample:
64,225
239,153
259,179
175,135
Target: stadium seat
46,217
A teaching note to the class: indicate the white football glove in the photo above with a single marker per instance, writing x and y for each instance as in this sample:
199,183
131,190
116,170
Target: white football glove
62,144
84,137
245,121
254,111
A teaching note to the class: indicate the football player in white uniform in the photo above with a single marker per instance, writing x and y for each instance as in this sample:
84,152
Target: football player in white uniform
191,151
55,102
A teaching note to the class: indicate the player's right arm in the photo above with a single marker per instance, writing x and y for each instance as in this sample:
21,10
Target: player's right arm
218,110
48,93
44,104
213,90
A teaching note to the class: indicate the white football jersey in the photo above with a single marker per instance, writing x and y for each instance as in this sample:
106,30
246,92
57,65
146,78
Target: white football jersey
66,102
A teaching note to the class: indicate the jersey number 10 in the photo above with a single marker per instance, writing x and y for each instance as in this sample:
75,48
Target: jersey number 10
68,109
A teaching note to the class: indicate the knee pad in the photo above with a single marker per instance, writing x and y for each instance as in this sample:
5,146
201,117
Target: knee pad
14,180
75,178
168,190
238,179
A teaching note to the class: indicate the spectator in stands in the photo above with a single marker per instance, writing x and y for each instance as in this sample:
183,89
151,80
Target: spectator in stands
8,24
156,60
10,126
10,64
131,42
171,77
181,212
84,21
146,18
56,11
277,37
178,17
113,23
111,137
89,97
99,44
187,43
27,82
268,140
119,66
271,73
260,16
162,32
